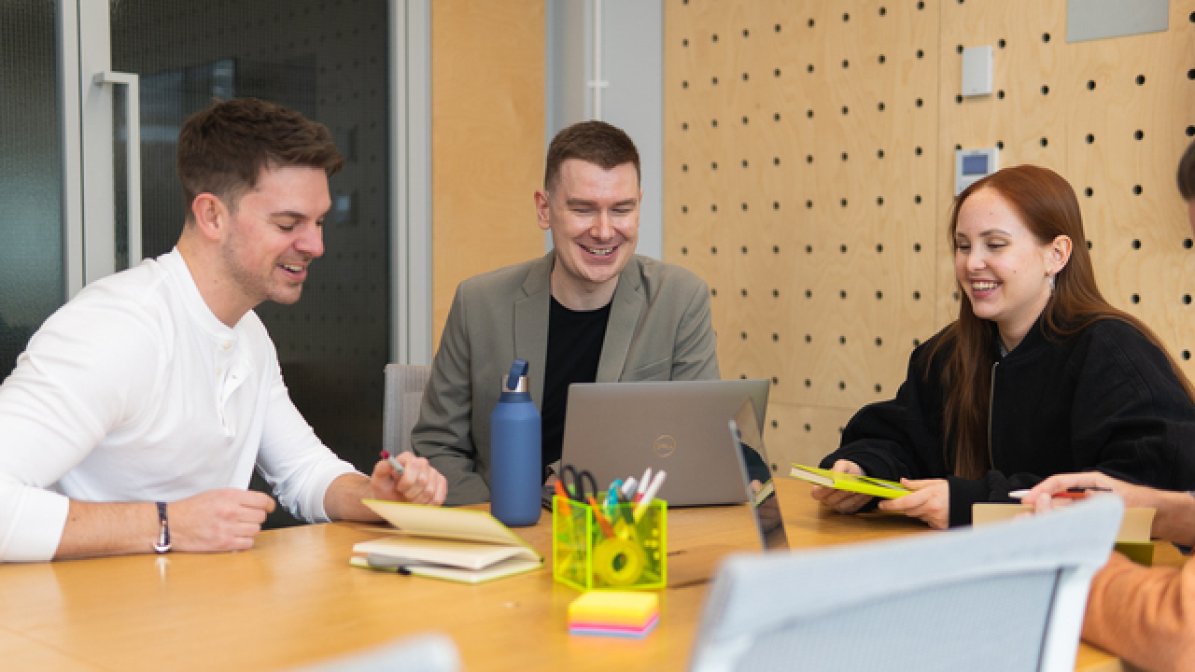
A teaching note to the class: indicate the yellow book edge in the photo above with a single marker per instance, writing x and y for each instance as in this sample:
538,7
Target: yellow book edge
864,485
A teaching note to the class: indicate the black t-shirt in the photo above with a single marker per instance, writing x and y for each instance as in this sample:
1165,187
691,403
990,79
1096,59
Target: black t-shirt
575,340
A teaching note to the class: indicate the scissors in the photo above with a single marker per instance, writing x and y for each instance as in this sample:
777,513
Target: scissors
579,484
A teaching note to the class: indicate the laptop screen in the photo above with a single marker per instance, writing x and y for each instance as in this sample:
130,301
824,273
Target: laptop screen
757,477
617,429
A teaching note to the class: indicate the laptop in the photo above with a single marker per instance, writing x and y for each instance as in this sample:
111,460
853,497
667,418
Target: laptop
616,430
755,470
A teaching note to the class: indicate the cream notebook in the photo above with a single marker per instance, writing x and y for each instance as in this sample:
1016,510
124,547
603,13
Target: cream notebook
462,545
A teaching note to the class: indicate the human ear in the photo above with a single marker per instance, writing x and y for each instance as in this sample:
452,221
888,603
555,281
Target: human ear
1059,254
209,213
541,210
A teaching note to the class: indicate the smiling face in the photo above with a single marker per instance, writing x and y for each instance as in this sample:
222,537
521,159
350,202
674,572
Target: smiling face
1002,267
593,215
273,235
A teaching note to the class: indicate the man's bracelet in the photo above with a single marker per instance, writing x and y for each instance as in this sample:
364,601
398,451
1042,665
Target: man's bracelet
162,545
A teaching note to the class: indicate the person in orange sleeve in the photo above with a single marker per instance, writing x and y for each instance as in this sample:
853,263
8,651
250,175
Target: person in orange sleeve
1145,615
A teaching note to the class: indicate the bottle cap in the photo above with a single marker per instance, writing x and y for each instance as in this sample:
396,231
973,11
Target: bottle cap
518,374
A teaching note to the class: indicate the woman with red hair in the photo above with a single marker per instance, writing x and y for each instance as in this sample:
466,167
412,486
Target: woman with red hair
1039,374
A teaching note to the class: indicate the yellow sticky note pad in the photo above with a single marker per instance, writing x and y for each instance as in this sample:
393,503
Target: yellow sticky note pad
624,608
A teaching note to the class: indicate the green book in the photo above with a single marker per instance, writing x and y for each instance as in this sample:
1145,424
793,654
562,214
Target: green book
864,485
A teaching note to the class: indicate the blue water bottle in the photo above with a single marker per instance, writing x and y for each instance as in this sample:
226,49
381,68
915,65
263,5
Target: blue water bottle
516,469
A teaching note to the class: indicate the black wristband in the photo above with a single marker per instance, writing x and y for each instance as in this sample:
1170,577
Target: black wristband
162,545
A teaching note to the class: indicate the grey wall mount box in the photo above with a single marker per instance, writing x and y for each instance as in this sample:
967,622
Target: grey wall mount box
1099,19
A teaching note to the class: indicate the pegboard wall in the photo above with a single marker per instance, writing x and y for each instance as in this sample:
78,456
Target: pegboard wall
809,162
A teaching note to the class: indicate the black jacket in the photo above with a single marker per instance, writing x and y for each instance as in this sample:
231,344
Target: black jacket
1104,399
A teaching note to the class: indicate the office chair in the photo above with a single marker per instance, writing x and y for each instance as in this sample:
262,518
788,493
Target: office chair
400,407
431,652
1006,597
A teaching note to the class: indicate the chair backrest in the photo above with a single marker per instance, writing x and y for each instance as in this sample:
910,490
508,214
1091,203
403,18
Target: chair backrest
400,407
431,652
1008,596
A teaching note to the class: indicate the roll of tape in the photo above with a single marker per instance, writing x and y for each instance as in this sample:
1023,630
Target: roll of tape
618,562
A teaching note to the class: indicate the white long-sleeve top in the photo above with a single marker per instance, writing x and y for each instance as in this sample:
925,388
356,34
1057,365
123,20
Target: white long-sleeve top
135,391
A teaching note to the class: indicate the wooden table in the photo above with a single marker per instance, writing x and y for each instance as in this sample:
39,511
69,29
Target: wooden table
293,599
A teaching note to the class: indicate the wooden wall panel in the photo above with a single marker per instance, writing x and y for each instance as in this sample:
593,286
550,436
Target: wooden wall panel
809,173
487,139
1139,116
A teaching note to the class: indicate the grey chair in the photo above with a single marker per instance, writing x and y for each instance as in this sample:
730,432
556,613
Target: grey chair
422,653
1004,597
400,407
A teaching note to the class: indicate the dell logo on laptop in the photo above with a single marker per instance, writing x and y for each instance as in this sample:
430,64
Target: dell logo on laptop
664,445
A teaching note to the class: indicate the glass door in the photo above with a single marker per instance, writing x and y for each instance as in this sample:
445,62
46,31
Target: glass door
32,264
95,94
330,61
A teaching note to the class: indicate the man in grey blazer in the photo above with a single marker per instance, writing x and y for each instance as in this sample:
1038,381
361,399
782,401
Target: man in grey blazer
589,310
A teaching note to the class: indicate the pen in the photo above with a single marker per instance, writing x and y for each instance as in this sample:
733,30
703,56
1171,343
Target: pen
643,483
394,463
649,494
369,563
607,529
628,489
563,497
619,495
1074,492
612,499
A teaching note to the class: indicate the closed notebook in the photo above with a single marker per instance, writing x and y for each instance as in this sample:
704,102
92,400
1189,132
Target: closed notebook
1133,538
864,485
462,545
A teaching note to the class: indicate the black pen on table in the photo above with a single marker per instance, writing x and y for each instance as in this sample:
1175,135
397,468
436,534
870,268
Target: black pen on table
402,568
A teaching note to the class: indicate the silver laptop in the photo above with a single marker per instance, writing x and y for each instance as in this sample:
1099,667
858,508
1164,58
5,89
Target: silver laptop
616,430
757,474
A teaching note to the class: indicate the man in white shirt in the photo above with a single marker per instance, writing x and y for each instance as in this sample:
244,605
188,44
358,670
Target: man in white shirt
134,420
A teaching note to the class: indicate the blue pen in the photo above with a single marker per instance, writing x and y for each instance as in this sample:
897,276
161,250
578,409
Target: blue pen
612,499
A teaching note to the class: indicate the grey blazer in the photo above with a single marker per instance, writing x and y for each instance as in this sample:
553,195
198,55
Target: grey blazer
659,329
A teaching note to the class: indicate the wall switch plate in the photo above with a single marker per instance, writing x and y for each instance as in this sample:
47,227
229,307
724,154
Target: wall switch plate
977,71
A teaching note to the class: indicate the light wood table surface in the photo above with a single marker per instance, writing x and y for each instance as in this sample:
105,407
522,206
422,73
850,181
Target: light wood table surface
294,600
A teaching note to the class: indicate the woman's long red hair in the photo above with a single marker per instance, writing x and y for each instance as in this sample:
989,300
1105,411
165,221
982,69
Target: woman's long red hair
1047,206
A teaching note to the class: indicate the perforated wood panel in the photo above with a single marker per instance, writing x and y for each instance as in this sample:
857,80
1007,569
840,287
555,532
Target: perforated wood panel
809,174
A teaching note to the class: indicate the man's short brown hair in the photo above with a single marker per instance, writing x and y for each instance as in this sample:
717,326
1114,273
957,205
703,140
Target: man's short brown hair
596,142
223,149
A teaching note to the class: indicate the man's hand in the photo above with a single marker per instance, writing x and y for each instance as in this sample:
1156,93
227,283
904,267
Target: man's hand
1175,510
841,500
929,501
1040,497
419,483
218,520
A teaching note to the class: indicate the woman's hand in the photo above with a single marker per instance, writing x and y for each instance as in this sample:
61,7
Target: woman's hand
841,500
929,501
